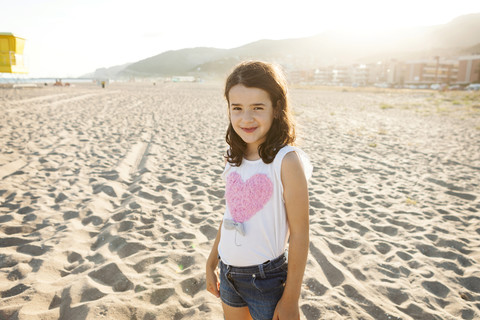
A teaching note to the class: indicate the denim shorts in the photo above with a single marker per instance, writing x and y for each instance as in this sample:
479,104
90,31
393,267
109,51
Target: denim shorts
257,287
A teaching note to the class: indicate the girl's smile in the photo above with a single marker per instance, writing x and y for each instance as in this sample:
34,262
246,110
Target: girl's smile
249,130
251,115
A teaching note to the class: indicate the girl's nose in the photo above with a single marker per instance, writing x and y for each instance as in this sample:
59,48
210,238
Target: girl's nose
248,115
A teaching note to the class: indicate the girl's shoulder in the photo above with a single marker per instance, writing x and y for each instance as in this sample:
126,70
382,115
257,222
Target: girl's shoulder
300,155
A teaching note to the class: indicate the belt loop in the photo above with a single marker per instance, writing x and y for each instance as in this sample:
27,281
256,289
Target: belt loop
262,273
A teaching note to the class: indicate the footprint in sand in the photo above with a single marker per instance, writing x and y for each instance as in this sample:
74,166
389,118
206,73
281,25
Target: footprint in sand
315,286
208,231
471,283
159,296
13,242
311,312
192,286
91,294
33,250
437,288
19,272
397,296
144,264
334,276
111,275
383,247
5,218
416,312
25,210
16,290
369,306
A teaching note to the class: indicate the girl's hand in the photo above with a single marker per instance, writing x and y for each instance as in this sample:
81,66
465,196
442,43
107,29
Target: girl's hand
213,286
286,310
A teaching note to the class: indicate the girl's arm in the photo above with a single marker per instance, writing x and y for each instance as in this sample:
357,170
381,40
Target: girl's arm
213,285
212,262
295,194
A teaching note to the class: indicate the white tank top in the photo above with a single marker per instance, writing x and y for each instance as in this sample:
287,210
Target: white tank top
255,227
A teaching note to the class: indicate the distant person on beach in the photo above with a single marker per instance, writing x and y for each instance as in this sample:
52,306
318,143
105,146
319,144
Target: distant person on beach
266,201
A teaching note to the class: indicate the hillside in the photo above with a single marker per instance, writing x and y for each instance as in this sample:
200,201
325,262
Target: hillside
111,72
175,62
459,37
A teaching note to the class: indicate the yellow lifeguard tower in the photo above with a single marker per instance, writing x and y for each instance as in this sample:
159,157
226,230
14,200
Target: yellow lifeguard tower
11,53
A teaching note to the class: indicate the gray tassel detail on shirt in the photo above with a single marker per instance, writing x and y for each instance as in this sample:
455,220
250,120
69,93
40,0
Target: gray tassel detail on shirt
233,225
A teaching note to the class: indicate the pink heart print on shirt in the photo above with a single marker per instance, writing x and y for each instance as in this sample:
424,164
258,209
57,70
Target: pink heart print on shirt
245,199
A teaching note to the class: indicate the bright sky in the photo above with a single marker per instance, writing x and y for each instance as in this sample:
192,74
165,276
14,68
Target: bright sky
67,38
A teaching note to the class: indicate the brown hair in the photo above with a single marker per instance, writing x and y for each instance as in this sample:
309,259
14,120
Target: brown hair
265,76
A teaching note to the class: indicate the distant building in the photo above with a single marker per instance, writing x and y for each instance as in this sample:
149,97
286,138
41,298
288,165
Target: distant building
359,75
469,69
322,75
301,76
431,71
377,72
395,72
183,79
341,75
463,70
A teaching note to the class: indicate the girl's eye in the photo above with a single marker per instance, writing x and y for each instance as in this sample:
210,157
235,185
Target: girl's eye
236,108
258,108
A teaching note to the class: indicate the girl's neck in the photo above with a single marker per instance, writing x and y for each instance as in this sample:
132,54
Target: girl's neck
252,154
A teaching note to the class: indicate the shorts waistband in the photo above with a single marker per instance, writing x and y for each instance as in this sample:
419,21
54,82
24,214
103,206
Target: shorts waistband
258,269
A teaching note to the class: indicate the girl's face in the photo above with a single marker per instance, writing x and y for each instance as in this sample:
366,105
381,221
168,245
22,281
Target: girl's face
251,114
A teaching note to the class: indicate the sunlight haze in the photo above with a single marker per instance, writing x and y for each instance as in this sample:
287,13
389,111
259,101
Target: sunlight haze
69,38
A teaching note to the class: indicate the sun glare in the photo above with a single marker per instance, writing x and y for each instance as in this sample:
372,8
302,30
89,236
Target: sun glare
60,37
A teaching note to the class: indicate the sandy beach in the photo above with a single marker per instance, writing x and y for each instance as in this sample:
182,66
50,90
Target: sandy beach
110,200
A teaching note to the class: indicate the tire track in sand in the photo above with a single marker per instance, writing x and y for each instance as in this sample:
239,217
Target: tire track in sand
11,168
62,101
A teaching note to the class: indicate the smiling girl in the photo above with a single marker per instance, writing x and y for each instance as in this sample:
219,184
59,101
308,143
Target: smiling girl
266,201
